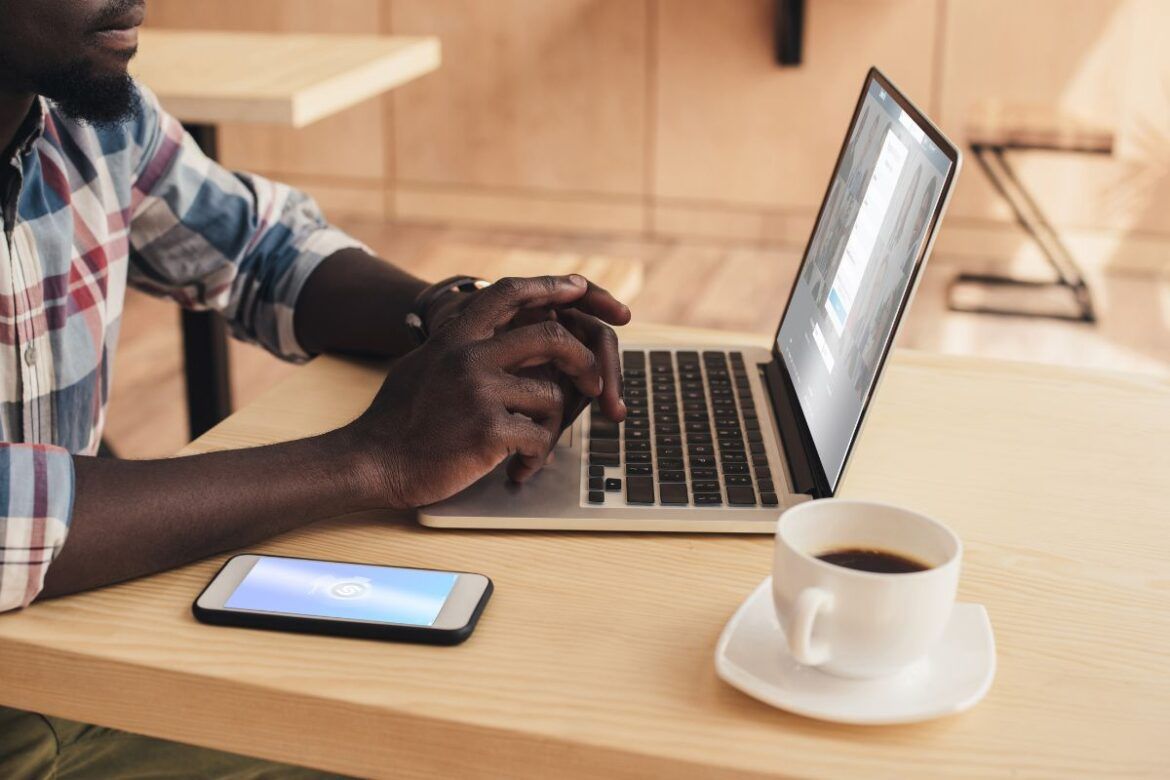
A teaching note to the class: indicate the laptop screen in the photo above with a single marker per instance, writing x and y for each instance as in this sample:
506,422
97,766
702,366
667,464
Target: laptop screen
859,267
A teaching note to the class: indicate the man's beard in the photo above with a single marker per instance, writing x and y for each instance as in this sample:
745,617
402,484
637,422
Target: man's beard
82,95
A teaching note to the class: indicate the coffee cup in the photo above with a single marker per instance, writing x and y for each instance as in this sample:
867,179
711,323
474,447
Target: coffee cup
886,600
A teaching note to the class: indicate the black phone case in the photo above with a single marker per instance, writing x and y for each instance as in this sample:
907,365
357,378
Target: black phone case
324,626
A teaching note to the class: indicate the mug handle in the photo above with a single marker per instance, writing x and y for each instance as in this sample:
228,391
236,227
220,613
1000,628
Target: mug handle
808,605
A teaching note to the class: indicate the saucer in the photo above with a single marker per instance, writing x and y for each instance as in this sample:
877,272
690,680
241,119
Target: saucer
752,655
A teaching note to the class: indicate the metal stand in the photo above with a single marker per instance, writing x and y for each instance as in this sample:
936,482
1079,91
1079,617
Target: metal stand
992,160
205,348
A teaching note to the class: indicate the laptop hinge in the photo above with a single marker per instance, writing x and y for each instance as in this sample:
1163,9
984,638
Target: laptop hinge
800,465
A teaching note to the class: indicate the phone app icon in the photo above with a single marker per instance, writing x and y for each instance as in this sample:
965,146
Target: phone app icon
342,588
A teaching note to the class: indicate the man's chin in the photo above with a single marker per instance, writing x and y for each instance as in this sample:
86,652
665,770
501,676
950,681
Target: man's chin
97,94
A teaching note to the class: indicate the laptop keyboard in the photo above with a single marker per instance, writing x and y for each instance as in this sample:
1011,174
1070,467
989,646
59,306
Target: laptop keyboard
691,438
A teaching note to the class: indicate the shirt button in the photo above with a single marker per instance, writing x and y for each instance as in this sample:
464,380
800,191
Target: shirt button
30,355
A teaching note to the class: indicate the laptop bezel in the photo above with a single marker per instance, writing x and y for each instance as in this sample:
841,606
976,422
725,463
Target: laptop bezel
803,458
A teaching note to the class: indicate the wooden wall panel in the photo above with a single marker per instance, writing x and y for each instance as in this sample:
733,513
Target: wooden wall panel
672,116
532,95
350,145
732,127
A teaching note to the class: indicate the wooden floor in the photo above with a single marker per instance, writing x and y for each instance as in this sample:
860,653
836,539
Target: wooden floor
686,282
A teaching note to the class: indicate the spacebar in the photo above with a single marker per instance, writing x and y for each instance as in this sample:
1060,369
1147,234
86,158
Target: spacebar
640,490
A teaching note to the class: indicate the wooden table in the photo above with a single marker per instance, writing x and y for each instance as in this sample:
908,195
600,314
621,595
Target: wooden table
594,658
208,77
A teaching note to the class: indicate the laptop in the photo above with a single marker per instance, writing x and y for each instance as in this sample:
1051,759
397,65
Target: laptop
719,439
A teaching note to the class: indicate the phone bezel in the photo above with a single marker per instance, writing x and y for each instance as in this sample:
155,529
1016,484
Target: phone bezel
457,612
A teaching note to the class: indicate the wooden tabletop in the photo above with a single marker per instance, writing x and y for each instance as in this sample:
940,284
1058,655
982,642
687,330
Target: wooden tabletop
594,657
1033,126
278,78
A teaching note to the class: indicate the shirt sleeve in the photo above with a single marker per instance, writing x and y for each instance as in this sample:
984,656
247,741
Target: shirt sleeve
210,238
36,497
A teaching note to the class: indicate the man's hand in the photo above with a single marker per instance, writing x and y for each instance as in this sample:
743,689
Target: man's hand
587,320
493,382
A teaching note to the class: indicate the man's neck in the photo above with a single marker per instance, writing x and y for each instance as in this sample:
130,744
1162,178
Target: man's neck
14,107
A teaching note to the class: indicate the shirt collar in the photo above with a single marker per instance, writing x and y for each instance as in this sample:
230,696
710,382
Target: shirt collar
30,130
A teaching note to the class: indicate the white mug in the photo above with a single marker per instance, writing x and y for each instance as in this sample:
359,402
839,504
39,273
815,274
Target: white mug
855,623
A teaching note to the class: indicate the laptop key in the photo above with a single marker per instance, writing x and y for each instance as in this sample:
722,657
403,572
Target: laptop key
672,476
668,440
737,479
705,487
703,474
637,446
637,457
702,461
735,468
768,499
741,495
613,485
755,435
640,490
601,428
633,359
763,473
708,499
669,464
604,446
766,486
638,471
759,459
670,453
596,483
604,460
596,497
674,494
597,471
757,447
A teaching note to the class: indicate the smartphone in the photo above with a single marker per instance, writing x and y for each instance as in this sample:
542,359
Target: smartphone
344,599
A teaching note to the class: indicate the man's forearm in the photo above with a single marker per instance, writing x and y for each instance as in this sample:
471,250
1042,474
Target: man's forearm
137,517
356,303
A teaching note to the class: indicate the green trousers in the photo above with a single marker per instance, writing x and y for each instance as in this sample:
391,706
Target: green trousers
33,747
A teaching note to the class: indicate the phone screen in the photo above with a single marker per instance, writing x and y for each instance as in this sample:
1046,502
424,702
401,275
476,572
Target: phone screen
349,591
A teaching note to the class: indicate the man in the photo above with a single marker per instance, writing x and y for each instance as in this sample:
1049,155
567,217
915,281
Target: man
100,187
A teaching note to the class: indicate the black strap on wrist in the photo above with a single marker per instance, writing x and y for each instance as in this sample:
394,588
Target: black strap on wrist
416,320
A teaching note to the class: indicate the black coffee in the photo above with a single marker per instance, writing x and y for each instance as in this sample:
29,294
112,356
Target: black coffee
878,561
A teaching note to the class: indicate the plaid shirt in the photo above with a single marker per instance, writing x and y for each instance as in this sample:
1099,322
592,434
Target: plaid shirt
92,209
